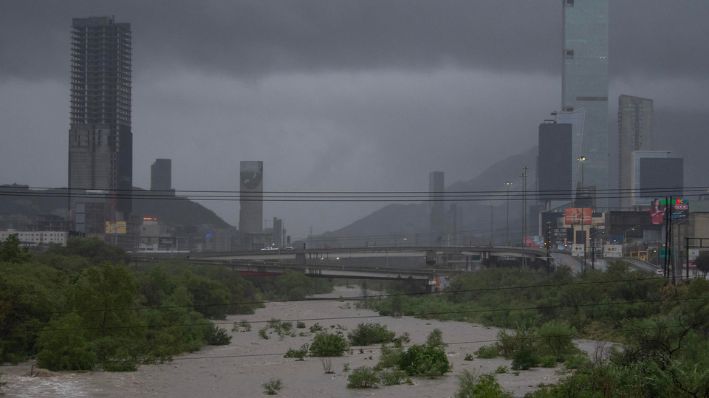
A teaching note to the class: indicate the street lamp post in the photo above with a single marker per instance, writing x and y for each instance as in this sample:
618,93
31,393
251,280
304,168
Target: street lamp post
508,184
581,159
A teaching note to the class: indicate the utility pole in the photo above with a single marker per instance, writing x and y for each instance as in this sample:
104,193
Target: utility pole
547,244
508,184
524,212
492,225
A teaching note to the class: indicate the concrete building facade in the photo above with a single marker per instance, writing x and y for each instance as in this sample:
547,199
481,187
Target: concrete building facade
555,162
635,119
36,238
100,137
161,175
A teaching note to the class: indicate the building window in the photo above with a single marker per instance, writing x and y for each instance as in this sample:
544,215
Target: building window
569,53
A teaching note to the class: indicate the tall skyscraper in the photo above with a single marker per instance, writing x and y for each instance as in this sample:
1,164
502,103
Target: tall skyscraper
585,86
436,190
161,175
100,137
554,164
251,197
635,116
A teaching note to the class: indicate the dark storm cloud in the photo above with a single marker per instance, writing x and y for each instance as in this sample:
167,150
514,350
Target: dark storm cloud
256,37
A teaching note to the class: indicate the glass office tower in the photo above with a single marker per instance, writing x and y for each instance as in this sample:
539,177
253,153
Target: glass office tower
585,88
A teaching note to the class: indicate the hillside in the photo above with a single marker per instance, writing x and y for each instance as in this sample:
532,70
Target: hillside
18,205
392,223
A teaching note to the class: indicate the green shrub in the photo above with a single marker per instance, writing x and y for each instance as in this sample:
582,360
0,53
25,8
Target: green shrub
501,369
524,358
487,352
576,361
363,377
392,377
217,336
547,361
435,339
469,357
315,328
272,387
64,346
509,344
298,353
473,386
263,332
424,360
328,345
370,333
390,357
555,338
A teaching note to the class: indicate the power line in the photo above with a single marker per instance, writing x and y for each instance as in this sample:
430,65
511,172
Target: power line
461,196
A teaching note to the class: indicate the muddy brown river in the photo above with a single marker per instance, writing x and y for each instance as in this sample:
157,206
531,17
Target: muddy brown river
240,368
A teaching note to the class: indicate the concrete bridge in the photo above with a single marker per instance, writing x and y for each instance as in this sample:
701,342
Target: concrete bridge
430,265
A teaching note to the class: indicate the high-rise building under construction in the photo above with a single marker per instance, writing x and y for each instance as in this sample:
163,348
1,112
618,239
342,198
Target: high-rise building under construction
100,137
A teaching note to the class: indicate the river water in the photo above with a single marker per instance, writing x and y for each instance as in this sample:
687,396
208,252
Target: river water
240,368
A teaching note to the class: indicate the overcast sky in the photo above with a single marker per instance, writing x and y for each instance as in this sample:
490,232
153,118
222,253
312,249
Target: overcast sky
331,94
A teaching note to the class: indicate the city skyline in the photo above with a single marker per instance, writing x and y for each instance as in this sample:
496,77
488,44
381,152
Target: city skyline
250,111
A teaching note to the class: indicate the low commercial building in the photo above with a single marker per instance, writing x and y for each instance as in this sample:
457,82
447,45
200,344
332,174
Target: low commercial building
36,238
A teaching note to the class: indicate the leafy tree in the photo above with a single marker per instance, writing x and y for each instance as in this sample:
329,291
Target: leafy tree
96,250
11,251
63,345
29,294
328,345
424,360
217,336
555,338
370,333
209,297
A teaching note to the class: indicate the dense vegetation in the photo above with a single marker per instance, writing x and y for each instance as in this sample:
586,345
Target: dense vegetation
593,304
84,307
398,364
662,329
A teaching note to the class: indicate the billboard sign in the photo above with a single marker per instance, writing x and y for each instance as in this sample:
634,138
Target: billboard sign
679,210
118,227
613,251
578,216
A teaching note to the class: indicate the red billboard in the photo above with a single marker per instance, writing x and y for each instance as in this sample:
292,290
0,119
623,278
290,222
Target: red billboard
578,216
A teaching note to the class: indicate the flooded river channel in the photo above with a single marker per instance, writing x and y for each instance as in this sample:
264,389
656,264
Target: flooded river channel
240,368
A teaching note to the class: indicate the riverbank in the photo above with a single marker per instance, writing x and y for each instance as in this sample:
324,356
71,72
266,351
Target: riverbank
240,368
